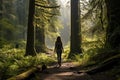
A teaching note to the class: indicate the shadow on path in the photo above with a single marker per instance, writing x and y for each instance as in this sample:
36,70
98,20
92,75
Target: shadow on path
68,71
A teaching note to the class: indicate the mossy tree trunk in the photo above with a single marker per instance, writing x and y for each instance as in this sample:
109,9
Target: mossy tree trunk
30,50
40,39
75,44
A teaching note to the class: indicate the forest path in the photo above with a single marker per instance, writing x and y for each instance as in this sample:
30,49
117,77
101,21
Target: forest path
69,71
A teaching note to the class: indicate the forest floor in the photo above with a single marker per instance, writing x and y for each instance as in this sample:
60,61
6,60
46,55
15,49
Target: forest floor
69,71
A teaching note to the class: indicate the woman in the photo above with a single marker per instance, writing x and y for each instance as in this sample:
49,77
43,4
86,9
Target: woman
58,49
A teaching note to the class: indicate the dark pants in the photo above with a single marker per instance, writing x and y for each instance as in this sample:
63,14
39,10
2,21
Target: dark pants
59,52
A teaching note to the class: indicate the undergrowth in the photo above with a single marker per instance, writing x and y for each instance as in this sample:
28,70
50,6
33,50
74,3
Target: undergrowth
95,55
13,62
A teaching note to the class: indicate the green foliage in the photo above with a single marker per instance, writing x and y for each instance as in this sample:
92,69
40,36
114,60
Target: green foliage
65,53
7,28
10,29
94,20
9,33
84,58
46,17
13,62
3,42
42,57
7,61
89,50
21,43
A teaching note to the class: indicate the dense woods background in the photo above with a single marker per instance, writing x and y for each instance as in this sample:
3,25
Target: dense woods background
90,31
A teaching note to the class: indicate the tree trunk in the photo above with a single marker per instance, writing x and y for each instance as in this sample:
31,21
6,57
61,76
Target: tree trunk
1,8
30,50
113,29
75,45
27,75
40,39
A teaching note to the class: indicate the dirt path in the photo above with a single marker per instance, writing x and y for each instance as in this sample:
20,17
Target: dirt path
68,72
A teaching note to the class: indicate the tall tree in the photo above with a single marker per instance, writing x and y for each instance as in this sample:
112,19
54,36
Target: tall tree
40,20
40,39
113,29
30,50
1,8
75,45
45,13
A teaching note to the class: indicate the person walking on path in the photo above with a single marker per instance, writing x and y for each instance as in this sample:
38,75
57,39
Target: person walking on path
58,49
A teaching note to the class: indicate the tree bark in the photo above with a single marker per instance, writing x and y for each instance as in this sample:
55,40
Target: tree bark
40,39
113,29
24,75
75,45
1,8
30,50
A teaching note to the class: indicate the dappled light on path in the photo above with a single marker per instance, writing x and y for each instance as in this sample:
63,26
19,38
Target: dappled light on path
68,71
62,73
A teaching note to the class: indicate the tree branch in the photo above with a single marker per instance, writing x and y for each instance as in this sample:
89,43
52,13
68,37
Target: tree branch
47,6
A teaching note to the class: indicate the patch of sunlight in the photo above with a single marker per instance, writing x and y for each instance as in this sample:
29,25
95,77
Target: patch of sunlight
13,67
64,73
90,39
42,57
63,2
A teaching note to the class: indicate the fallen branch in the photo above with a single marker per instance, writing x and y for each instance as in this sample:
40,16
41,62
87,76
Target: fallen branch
24,75
106,65
50,7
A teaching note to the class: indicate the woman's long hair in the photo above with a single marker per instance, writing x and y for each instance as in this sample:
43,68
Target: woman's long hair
58,39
